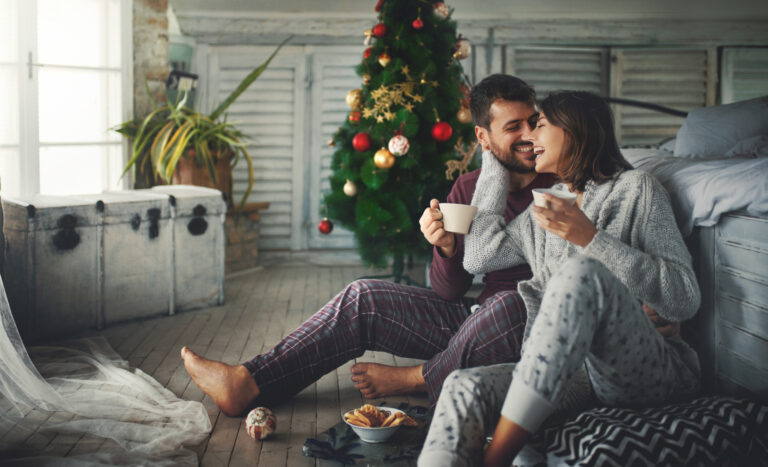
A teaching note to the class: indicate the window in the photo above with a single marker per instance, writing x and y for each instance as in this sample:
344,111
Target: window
65,74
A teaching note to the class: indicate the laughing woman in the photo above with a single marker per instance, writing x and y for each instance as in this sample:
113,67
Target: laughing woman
601,267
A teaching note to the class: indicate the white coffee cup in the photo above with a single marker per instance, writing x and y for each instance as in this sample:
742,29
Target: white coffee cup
538,198
457,217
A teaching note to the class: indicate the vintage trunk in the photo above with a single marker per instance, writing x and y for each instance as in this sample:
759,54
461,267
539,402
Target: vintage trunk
52,271
136,255
198,244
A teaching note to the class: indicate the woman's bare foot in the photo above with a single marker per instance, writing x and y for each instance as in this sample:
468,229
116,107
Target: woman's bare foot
231,387
375,380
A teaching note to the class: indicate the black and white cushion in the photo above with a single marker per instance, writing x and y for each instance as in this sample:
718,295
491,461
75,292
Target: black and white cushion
713,430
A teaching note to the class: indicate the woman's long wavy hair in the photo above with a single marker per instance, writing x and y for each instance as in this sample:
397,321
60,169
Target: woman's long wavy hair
591,149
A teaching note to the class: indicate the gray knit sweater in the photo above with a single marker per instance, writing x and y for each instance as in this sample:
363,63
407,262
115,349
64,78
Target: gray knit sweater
637,240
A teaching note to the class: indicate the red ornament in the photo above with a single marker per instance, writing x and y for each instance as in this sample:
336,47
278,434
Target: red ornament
367,52
380,30
362,142
417,23
325,226
442,131
379,5
354,116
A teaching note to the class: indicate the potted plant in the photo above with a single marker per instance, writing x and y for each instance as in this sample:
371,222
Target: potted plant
177,144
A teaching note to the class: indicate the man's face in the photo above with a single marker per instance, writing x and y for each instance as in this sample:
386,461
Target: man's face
511,124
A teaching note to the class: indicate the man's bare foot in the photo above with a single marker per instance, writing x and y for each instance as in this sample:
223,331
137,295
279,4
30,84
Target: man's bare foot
375,380
231,387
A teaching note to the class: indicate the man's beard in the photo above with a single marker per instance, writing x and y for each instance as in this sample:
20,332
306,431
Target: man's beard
508,160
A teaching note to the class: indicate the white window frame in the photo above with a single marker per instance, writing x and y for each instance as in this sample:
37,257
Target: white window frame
29,143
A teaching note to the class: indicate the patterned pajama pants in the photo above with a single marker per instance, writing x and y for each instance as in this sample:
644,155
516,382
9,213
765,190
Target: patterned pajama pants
405,321
586,315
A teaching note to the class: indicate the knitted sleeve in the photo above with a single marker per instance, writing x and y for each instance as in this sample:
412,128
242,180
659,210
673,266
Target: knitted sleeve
491,243
659,271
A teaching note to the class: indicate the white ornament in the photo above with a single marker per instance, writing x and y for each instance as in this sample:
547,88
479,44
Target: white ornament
260,423
398,145
350,189
442,10
463,49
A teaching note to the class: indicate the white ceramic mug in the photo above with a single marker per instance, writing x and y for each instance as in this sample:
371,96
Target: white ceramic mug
457,217
538,198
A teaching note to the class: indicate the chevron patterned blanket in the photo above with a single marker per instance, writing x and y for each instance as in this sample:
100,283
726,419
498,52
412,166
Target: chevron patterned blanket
708,431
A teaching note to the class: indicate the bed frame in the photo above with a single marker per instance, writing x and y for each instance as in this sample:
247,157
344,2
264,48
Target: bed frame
730,331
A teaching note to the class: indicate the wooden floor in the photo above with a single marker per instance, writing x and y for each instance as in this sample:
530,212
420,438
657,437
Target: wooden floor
261,307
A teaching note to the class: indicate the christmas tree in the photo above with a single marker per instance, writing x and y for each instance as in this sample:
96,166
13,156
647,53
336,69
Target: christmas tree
406,126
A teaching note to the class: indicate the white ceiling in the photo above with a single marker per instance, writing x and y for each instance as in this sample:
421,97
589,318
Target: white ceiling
515,9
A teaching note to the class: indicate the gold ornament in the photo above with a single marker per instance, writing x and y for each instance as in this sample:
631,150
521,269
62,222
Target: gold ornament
384,59
368,35
366,79
383,159
462,49
331,144
350,189
464,115
355,98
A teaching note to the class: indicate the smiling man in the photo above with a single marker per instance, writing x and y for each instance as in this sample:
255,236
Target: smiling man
442,326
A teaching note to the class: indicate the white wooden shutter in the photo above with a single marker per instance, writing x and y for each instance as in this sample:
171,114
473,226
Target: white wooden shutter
271,113
556,68
333,75
744,73
484,60
682,79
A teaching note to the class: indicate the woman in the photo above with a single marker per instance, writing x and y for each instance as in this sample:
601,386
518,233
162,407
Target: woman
596,266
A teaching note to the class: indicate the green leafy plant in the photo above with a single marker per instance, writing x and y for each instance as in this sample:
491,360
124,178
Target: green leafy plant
173,130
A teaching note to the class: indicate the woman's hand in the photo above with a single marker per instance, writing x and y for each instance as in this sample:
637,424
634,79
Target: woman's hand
565,220
666,328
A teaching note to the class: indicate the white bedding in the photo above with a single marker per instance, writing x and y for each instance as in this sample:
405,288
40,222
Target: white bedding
703,190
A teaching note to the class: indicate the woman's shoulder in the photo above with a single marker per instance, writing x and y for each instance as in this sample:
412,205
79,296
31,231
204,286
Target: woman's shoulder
636,180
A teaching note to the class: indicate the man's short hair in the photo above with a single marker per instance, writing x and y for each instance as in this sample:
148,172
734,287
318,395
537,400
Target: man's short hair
494,87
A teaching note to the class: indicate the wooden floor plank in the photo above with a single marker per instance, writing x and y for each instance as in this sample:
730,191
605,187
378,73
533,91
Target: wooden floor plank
261,307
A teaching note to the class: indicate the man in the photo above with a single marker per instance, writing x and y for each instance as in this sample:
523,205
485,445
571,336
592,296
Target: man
445,328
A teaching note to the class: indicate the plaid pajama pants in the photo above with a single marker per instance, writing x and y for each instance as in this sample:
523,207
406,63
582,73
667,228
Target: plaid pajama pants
403,320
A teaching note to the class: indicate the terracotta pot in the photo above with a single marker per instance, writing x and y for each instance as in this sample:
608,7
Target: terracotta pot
188,172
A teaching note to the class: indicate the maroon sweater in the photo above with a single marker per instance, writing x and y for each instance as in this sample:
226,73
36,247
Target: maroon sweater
449,278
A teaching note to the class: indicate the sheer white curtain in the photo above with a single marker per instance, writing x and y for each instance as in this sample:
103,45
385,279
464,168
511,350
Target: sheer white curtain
86,388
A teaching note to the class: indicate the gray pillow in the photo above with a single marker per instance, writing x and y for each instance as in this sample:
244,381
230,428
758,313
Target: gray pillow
713,131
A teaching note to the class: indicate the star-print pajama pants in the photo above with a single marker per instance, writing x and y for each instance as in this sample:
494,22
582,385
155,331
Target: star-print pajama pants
586,316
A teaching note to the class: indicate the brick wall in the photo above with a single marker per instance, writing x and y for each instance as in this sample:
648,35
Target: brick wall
150,53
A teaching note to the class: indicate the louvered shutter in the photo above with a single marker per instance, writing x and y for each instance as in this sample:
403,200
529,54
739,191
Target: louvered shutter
744,73
682,79
484,60
333,75
556,68
271,113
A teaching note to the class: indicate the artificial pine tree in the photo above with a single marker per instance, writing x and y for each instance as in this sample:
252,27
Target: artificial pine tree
398,147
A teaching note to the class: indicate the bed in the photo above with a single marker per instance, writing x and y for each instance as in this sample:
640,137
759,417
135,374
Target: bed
716,172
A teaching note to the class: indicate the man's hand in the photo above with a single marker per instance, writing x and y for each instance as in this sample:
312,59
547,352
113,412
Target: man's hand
666,328
565,220
432,227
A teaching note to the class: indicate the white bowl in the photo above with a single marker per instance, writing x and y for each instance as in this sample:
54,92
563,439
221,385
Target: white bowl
376,435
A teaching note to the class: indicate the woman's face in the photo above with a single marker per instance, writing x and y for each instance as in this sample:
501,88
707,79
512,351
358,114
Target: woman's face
548,143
